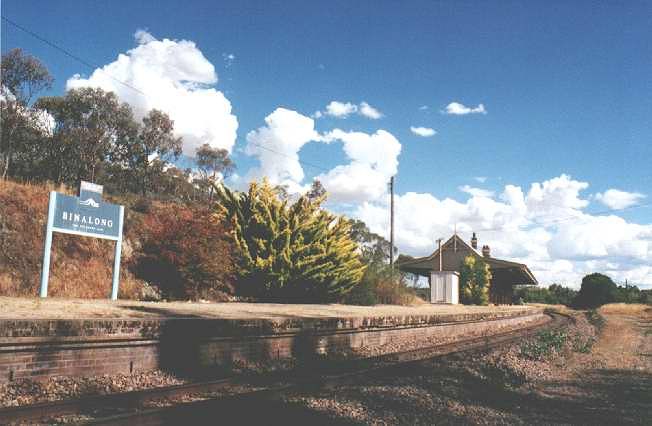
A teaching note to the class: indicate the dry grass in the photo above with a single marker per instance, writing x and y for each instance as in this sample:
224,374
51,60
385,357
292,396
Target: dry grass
80,266
559,308
626,308
55,308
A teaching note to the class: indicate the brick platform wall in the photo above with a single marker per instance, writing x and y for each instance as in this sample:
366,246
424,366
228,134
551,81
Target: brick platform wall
42,348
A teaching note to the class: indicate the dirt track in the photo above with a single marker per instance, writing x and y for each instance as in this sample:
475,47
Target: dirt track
610,385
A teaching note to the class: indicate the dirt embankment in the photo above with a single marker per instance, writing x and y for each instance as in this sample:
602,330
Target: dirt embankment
80,266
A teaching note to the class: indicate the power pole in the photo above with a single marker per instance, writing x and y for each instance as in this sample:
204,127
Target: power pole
391,225
439,240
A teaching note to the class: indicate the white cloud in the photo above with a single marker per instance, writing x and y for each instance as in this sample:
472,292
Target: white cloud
476,192
175,77
423,107
370,112
544,227
339,109
618,200
143,36
277,145
456,108
373,160
481,179
229,59
423,131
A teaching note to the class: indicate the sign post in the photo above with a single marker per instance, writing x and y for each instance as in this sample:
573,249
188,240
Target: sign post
86,215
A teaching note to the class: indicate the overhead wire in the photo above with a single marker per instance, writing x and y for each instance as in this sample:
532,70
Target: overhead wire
92,66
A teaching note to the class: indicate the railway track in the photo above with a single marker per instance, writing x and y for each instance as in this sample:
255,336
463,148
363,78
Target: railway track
208,399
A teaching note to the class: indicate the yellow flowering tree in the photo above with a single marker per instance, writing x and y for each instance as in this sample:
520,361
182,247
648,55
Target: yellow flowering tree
290,252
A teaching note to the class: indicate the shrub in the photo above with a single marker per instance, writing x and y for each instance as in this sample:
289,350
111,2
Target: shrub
186,253
394,292
363,294
555,294
290,252
597,290
475,279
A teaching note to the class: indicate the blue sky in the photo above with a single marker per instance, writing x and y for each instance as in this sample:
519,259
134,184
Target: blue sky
567,86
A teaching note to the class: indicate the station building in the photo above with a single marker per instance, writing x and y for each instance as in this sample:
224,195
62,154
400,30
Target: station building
442,269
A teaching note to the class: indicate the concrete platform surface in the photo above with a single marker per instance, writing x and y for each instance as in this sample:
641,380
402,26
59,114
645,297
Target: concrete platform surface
61,308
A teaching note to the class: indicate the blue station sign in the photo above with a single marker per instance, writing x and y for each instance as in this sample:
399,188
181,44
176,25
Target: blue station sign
86,215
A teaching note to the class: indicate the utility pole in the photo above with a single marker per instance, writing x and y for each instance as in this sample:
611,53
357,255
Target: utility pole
439,240
391,225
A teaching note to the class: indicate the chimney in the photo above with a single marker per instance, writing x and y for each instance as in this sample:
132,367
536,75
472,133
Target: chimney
486,251
474,242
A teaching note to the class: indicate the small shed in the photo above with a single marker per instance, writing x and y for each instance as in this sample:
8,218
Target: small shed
444,287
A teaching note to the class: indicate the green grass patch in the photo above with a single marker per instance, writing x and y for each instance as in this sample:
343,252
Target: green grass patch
544,344
595,319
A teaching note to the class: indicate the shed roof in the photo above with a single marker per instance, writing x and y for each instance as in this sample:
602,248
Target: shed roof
508,271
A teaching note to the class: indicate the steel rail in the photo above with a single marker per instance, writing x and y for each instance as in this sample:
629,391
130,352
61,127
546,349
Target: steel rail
319,374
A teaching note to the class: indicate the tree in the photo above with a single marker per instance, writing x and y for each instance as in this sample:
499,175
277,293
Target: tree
290,253
316,190
22,77
212,164
91,128
140,160
555,294
186,253
596,290
475,279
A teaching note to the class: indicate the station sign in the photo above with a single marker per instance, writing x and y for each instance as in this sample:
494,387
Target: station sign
86,215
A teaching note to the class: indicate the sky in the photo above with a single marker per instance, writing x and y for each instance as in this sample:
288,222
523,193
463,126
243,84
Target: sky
526,122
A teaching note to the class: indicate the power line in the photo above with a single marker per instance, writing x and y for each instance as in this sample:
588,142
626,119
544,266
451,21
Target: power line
305,163
95,66
67,53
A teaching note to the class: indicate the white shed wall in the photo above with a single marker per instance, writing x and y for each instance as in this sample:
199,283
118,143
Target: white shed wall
444,287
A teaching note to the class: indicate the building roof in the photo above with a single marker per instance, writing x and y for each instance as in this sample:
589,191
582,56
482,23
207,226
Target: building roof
455,249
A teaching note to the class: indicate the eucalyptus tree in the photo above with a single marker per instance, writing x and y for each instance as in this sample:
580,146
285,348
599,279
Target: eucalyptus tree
22,76
91,127
212,164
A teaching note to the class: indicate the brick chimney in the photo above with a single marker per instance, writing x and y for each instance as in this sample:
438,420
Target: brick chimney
486,251
474,242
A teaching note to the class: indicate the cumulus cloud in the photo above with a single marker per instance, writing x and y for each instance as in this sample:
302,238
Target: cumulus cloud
481,179
423,131
545,227
368,111
339,109
277,146
618,200
373,160
456,108
175,77
476,192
